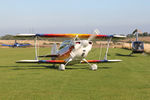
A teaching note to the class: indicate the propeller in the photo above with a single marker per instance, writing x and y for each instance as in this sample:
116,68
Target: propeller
136,30
96,32
85,43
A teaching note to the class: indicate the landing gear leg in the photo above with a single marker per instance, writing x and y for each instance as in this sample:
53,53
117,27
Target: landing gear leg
54,65
92,66
62,66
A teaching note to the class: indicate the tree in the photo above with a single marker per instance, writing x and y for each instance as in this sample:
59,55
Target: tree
7,37
145,34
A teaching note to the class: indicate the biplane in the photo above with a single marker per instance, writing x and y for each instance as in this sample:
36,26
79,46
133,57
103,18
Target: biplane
72,51
16,45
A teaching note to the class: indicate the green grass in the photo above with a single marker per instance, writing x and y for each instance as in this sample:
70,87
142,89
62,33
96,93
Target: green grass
127,80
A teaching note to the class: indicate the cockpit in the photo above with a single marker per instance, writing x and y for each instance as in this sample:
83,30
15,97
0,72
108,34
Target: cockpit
65,43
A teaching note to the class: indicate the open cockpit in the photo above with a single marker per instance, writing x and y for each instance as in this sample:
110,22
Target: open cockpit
65,43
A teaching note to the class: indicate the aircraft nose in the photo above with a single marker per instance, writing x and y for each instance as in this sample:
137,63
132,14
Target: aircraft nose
85,43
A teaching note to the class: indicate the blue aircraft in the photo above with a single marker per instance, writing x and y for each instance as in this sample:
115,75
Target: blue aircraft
16,45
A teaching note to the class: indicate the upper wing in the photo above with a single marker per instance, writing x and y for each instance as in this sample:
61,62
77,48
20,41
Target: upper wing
100,61
70,35
42,61
21,45
7,45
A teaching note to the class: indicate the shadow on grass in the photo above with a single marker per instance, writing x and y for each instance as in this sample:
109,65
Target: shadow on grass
129,55
105,67
36,67
16,67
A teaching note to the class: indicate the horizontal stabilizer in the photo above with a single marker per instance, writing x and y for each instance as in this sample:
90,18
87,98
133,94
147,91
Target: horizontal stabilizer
49,56
101,61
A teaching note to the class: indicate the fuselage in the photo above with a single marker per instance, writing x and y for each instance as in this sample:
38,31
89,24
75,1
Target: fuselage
16,45
75,50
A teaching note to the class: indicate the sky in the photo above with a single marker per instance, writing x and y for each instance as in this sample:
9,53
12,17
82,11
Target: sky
74,16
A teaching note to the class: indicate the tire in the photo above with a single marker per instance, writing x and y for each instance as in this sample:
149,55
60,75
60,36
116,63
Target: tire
62,67
94,67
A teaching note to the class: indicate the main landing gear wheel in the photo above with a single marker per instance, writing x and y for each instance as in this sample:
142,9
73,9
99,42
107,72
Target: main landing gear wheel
62,67
94,67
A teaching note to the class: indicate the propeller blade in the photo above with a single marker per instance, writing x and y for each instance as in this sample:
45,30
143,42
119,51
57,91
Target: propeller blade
96,32
134,31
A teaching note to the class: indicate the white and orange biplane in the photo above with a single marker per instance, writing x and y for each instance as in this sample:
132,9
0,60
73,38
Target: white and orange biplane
72,51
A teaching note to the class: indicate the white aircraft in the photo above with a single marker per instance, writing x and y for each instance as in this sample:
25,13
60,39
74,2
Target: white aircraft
72,51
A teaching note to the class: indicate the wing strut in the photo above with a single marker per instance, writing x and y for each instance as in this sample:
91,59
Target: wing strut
100,50
35,45
86,61
108,42
70,59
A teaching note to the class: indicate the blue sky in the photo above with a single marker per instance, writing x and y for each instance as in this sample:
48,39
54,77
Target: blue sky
74,16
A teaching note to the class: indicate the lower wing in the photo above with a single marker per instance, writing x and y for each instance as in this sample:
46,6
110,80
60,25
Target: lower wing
42,61
101,61
7,45
63,61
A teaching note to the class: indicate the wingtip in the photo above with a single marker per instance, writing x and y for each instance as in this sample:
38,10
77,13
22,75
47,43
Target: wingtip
27,61
25,35
119,36
115,60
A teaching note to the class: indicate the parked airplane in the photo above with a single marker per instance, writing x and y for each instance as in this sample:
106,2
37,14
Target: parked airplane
71,51
16,45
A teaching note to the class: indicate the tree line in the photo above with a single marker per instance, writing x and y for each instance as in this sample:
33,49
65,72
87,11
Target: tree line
11,37
140,35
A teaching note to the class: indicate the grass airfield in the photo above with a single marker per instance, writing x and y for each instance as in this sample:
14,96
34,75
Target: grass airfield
127,80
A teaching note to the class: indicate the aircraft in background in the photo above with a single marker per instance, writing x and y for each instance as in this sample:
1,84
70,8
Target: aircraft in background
137,46
16,45
72,51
